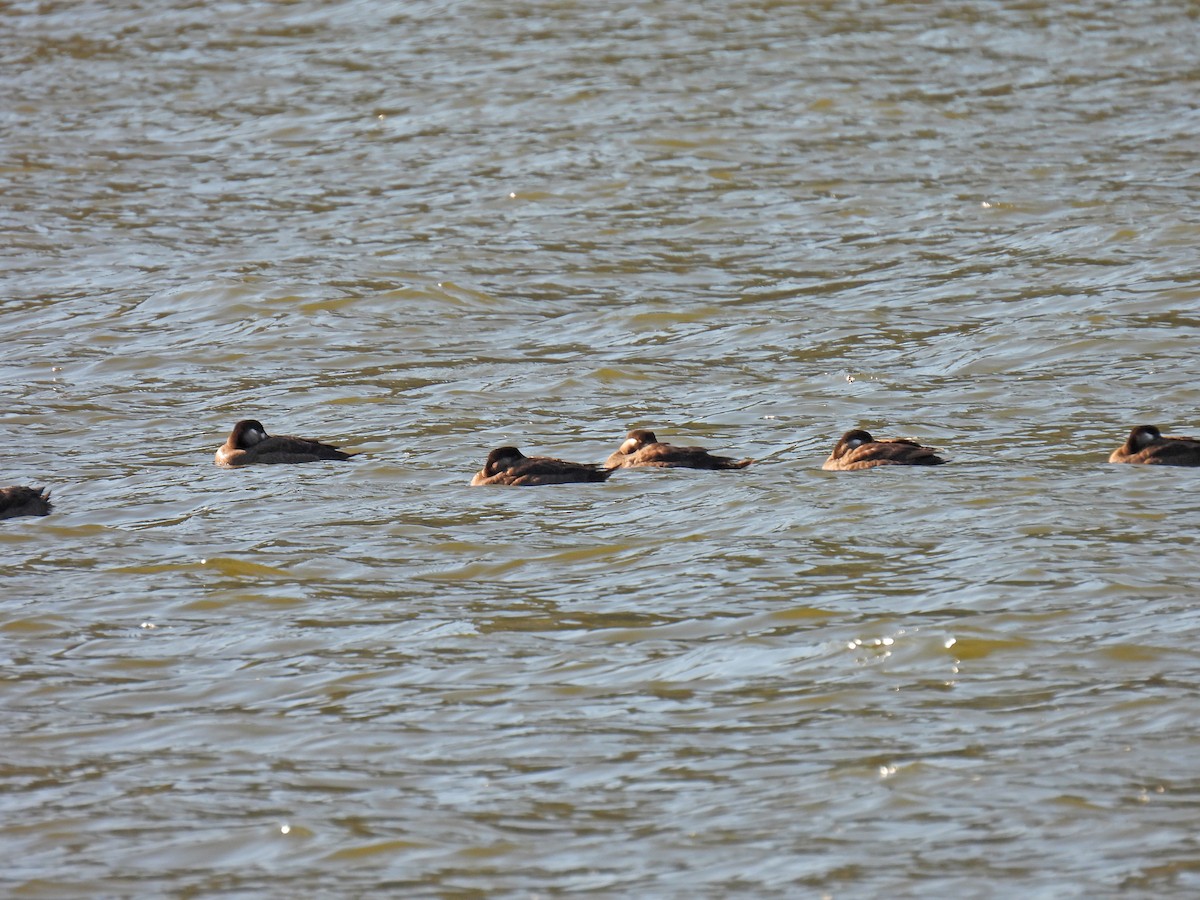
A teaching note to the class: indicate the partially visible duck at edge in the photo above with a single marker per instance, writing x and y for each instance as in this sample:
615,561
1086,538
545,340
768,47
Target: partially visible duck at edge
642,448
1147,446
858,450
24,501
508,465
249,444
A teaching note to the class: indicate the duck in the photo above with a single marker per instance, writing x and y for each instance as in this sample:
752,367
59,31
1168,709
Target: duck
249,444
508,465
642,448
1147,446
18,500
858,450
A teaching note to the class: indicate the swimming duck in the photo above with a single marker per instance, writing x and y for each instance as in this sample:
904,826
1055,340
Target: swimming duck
858,450
1147,446
24,501
249,443
642,448
508,465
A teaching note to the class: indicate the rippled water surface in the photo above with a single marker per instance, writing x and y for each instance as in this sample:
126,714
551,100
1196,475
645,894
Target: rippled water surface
423,230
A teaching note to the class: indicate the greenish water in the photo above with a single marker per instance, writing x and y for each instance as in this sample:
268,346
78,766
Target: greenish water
426,230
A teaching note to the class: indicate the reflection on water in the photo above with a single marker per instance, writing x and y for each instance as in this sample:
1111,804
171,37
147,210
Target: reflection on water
424,232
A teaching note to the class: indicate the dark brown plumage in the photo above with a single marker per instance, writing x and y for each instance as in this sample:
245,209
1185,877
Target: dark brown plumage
508,465
1147,446
642,448
249,444
858,450
24,501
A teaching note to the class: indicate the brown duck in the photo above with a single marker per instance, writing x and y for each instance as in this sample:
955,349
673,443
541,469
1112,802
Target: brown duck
249,444
858,450
642,448
508,465
1147,446
24,501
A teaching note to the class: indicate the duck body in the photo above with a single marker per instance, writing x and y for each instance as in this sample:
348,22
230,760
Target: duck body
19,500
249,444
509,466
1147,446
858,450
642,448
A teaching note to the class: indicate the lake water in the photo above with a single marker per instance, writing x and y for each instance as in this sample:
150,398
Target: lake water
423,230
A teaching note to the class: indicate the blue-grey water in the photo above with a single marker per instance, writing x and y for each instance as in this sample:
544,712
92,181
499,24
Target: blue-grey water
423,230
